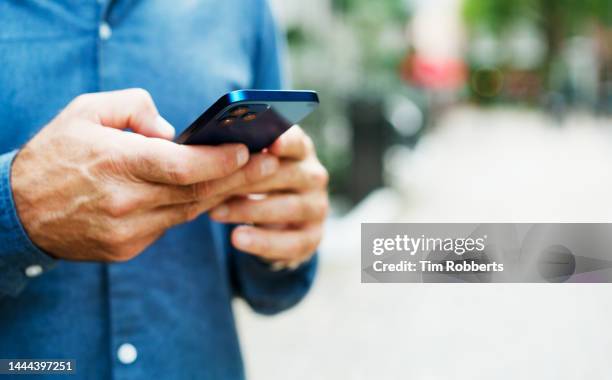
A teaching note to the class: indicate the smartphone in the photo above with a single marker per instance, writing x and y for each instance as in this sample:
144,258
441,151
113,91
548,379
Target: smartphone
255,118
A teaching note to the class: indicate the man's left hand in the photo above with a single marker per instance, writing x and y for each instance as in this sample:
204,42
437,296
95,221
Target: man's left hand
285,211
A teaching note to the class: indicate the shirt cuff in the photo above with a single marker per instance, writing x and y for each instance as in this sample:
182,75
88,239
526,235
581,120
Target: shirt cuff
20,259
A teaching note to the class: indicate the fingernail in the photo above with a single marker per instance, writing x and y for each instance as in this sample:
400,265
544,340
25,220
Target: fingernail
165,128
243,239
242,156
220,212
268,166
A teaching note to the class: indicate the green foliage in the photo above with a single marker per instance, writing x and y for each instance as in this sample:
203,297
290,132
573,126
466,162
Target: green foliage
387,10
370,20
570,15
296,37
497,15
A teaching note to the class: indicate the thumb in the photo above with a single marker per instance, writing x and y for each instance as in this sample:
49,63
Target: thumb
128,109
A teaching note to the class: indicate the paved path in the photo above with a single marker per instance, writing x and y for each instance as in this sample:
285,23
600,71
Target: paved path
499,165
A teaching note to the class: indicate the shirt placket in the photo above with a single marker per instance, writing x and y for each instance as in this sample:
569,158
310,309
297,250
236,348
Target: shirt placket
122,295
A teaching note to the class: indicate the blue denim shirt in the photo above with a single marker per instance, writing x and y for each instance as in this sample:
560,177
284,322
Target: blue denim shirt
173,302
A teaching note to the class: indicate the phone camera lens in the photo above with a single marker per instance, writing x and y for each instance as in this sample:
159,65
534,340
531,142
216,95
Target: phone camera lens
227,121
249,117
239,111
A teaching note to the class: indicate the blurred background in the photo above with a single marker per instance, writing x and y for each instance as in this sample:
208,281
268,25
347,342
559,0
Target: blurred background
448,110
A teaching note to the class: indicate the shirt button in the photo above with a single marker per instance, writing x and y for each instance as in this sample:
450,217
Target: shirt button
127,353
104,31
33,271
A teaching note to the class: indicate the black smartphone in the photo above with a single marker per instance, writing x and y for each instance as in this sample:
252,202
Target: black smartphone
255,118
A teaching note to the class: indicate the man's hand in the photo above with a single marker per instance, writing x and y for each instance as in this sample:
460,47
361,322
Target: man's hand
288,218
85,190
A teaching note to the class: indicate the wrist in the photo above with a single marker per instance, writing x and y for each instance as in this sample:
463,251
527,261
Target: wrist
20,188
19,256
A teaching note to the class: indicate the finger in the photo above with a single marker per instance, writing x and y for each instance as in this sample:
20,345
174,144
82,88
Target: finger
166,162
288,245
259,168
150,195
276,208
126,109
142,225
128,236
136,226
291,176
293,144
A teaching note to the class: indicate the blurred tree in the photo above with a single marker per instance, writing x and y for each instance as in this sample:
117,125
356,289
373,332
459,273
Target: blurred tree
371,21
557,20
374,24
352,59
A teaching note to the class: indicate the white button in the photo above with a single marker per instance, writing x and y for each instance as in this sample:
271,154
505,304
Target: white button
127,353
104,31
33,271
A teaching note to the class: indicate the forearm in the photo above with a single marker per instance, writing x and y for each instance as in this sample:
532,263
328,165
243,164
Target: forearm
20,259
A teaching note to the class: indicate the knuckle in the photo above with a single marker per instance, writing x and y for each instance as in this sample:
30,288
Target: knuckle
320,176
117,205
81,99
80,104
190,212
318,206
143,95
243,211
297,132
144,101
249,175
179,173
112,162
308,143
200,191
227,163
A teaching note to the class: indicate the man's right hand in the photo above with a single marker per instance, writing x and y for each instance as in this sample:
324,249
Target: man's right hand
86,190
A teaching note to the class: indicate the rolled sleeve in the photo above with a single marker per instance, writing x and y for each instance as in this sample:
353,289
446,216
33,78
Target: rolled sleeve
20,259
